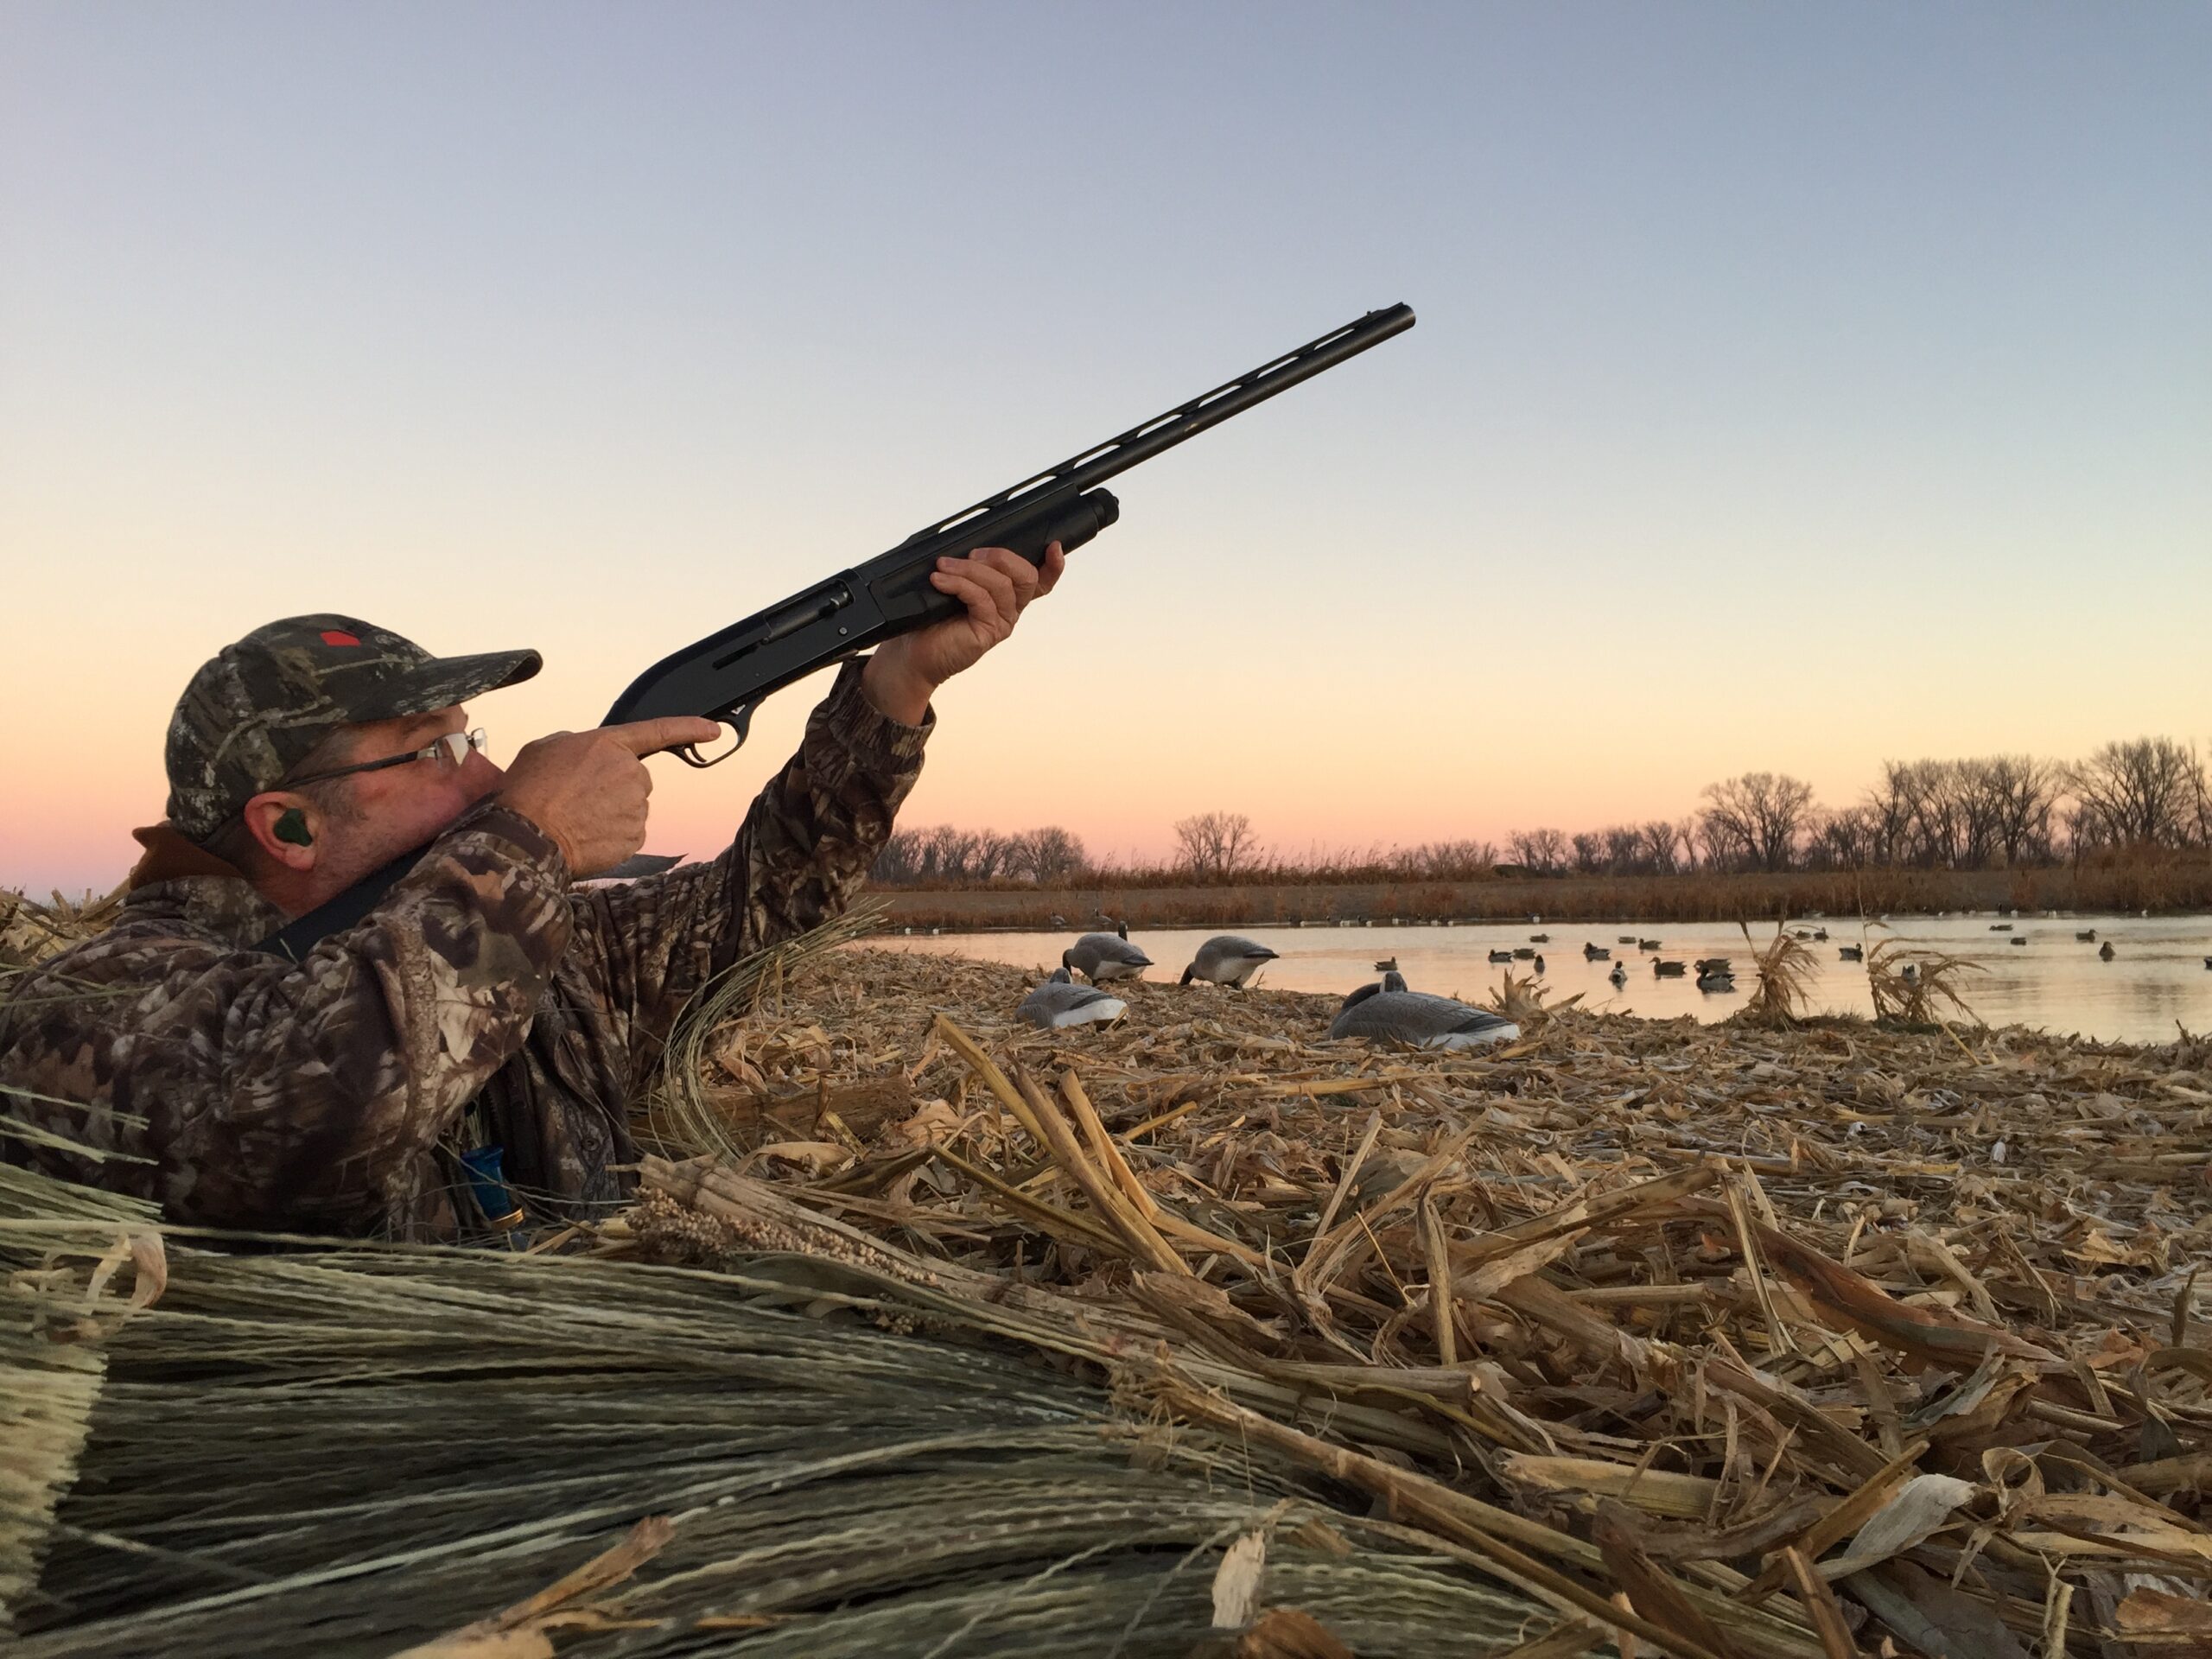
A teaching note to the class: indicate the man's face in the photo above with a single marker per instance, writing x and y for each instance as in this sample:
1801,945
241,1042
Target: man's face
370,818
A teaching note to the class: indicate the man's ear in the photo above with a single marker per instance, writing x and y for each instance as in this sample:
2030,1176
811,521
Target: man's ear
284,827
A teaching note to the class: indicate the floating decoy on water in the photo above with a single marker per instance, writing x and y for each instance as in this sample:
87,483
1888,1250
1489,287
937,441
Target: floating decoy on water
1910,970
1712,964
1226,959
1647,945
1389,1012
2086,935
1851,953
1666,969
1596,953
1540,961
1388,965
2001,927
1101,957
1820,936
2018,939
1540,938
1625,938
2207,961
1523,952
1500,956
1619,976
1059,1002
1800,932
1716,979
2106,951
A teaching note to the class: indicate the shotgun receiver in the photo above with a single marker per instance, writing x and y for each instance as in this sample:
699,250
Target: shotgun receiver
727,675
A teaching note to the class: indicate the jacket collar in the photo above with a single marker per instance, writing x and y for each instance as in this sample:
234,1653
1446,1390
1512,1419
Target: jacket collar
178,879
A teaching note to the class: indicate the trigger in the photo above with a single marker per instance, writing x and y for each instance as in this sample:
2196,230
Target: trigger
738,719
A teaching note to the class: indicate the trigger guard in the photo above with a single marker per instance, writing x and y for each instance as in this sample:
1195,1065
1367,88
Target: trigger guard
738,719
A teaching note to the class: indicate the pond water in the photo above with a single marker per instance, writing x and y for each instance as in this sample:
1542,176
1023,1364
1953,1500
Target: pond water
2157,977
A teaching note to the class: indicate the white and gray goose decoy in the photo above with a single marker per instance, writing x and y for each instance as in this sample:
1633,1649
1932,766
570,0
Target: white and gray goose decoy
1059,1002
1227,959
1101,957
1389,1012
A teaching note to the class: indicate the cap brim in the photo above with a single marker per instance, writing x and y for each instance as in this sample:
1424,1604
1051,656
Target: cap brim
443,682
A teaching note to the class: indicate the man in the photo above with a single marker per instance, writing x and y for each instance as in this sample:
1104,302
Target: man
484,1002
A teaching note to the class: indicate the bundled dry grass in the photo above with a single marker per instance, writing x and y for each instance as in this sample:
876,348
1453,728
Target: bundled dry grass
1914,985
1784,972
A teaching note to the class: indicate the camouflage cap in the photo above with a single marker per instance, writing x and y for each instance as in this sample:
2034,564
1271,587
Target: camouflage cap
257,709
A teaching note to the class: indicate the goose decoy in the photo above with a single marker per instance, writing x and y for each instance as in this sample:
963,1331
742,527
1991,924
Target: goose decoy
1910,970
1061,1002
2106,951
1619,976
1388,1013
1226,959
1716,979
1500,956
2086,935
1101,957
1540,938
1388,965
1058,922
1647,945
1596,953
1851,953
1666,969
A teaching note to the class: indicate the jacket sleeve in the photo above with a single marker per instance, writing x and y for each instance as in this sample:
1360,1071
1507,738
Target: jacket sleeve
305,1095
799,857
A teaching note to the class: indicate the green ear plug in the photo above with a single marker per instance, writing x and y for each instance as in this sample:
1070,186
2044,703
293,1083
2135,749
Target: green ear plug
292,826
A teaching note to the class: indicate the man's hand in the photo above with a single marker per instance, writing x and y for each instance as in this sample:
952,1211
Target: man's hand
587,790
994,585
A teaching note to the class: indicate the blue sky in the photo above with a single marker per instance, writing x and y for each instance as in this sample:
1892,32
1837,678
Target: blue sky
1794,386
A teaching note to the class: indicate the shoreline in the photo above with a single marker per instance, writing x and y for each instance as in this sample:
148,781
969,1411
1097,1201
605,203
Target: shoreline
2159,889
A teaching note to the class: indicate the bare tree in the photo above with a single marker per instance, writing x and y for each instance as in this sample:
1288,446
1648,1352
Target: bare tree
2024,793
1212,845
1663,843
1589,852
1047,855
2143,792
1756,818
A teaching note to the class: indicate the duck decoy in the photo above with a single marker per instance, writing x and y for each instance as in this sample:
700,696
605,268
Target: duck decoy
1666,969
1500,956
1596,953
1389,1012
2001,927
1227,959
2086,935
1523,952
1388,965
1619,976
1061,1002
1625,938
1820,936
2207,961
1851,953
2018,939
1716,980
1713,965
1101,957
1647,945
1910,970
1540,938
2106,951
1540,961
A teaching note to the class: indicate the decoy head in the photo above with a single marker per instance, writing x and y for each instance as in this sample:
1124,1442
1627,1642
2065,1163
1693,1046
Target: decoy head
1122,928
1394,980
1187,972
1060,975
1067,960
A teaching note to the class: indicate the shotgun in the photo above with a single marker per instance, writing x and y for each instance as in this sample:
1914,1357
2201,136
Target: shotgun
727,675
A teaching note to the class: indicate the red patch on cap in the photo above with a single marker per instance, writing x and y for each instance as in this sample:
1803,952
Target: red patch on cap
339,637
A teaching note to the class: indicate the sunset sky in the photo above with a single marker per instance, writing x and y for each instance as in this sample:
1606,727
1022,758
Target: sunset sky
1794,387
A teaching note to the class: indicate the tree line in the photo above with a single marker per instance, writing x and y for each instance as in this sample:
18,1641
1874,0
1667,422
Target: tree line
1990,812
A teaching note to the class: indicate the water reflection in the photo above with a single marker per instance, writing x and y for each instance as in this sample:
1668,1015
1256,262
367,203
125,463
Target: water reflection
2156,979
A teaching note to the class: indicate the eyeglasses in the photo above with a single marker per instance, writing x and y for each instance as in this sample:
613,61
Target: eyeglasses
451,750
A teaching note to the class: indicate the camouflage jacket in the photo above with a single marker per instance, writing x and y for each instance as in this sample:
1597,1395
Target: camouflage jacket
330,1095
